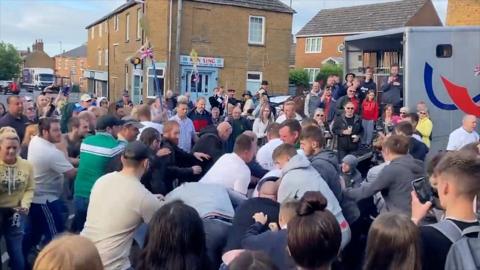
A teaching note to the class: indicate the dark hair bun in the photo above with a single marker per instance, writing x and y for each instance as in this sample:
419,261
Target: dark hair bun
311,202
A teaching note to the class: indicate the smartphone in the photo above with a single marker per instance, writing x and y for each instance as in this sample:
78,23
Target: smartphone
423,189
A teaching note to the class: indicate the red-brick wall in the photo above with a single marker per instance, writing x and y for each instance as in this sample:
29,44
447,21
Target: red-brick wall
314,60
463,12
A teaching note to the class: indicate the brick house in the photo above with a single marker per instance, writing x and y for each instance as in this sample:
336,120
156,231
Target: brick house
239,44
38,58
321,40
463,12
70,66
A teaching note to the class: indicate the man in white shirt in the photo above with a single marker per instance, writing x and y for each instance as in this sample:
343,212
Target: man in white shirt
50,165
264,154
231,170
144,115
463,135
119,204
289,113
187,130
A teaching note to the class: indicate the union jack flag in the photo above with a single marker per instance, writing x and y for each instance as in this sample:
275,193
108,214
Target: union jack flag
476,70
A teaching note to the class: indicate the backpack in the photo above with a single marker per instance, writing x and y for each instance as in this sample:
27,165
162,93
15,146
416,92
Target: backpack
465,251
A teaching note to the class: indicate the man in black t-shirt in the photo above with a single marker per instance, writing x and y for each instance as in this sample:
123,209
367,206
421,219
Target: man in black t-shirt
456,179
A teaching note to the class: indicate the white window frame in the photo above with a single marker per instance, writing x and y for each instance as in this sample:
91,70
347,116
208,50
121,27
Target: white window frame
115,23
139,27
262,42
92,32
100,30
312,71
313,45
127,27
105,57
152,76
99,57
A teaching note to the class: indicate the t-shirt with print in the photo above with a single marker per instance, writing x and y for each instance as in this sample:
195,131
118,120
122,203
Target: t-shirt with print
49,165
435,245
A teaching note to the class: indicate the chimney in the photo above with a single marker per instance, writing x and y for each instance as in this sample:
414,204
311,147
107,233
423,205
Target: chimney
28,50
38,45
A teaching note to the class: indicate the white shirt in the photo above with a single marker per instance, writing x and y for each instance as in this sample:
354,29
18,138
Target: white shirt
231,172
264,154
260,128
118,205
460,137
150,124
187,132
49,165
282,118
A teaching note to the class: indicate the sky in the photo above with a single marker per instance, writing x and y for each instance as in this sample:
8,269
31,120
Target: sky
61,23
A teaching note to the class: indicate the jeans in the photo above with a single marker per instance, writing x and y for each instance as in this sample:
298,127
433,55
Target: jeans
216,232
81,208
45,220
13,235
368,127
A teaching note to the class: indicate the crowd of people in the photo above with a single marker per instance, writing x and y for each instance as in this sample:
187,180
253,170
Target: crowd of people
244,184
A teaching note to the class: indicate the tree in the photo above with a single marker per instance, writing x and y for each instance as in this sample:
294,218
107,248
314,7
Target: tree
327,70
298,77
10,62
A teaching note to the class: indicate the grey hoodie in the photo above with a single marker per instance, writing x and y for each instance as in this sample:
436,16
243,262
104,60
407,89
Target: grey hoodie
394,181
326,164
299,177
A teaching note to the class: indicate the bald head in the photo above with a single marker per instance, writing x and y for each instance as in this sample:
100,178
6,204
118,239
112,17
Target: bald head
269,190
224,130
469,123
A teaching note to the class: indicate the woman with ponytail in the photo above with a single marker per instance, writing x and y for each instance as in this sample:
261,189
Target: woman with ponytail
314,235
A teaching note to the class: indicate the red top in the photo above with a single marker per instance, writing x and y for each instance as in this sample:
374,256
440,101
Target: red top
369,110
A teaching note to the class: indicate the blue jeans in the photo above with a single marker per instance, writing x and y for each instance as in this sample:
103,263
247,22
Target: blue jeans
81,208
13,239
45,220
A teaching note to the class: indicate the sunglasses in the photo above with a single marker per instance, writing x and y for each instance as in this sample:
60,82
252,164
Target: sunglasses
350,108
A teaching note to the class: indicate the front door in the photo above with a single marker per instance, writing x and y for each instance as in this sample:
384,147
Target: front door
200,84
137,96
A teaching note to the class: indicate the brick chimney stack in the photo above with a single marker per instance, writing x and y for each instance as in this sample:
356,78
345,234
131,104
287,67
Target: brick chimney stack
38,45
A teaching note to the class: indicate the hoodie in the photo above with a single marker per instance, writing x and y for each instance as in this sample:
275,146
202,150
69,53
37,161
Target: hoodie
299,177
17,185
326,164
394,182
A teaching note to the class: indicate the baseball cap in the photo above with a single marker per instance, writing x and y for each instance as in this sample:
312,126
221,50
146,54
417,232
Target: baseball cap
108,121
136,150
132,123
85,97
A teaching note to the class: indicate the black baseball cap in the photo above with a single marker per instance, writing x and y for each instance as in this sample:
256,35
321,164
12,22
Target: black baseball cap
108,121
136,150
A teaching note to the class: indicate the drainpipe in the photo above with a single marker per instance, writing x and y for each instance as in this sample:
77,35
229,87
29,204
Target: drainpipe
177,41
169,56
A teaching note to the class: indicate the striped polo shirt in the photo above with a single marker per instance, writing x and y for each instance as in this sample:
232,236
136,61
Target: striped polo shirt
96,154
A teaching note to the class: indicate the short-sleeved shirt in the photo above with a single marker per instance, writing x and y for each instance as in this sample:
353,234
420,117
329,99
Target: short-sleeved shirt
460,137
119,203
49,165
97,153
231,172
187,132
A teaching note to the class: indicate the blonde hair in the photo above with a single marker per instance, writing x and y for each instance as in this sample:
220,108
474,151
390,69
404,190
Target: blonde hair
73,252
8,133
30,131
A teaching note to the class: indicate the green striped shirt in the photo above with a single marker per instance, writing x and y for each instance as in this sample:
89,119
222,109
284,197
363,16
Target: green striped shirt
96,154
